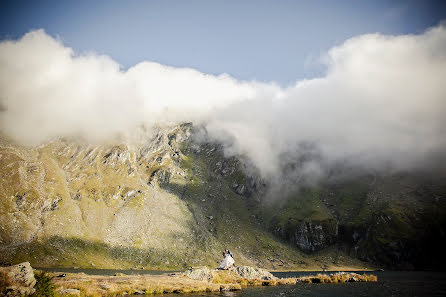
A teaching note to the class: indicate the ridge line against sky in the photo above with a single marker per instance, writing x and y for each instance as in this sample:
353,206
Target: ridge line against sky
266,41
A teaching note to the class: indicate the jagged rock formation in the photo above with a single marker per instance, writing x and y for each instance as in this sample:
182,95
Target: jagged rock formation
311,236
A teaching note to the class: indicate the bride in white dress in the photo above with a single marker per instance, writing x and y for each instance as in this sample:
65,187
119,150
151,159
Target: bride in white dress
228,260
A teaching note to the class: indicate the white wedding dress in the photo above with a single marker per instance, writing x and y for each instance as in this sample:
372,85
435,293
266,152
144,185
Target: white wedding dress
227,262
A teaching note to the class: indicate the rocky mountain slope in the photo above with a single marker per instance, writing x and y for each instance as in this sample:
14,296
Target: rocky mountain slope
152,204
168,201
397,221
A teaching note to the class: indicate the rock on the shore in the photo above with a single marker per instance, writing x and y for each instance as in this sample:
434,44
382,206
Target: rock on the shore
206,274
17,280
200,273
105,286
253,273
69,292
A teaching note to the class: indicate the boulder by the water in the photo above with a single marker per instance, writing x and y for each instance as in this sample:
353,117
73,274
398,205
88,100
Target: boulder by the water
247,272
17,280
253,273
198,273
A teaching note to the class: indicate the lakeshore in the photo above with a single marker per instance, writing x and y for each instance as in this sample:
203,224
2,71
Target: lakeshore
200,279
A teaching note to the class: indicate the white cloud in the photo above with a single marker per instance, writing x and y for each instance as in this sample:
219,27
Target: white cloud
49,92
382,102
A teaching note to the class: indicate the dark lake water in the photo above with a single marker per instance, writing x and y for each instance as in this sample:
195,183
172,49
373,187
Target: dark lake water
390,283
104,271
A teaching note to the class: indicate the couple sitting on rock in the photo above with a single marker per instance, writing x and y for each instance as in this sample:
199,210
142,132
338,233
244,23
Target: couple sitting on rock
228,260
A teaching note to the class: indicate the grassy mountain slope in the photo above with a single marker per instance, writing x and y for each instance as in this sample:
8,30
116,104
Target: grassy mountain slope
166,201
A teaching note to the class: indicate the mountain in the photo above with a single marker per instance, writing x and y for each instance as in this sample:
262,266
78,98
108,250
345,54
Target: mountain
168,200
397,221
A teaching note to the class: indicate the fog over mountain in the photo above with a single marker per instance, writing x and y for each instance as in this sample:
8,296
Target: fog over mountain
381,104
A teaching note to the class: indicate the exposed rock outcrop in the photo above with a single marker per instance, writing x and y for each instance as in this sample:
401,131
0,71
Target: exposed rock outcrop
314,236
310,236
253,273
17,280
247,272
199,273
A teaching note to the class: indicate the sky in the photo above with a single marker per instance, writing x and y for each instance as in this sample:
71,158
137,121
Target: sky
281,41
293,90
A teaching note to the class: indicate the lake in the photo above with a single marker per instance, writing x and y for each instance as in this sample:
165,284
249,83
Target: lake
390,283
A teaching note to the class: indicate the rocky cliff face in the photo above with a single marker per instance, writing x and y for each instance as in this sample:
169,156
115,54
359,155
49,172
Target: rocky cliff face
395,220
311,236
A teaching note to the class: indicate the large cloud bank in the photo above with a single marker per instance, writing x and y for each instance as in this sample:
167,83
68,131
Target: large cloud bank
381,103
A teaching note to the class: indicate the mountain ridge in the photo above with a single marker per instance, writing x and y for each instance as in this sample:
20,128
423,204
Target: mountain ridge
171,202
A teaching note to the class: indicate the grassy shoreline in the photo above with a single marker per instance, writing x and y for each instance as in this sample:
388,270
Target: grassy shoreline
330,269
194,280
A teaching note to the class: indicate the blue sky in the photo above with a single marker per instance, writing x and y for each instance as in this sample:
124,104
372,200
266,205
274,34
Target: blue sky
262,40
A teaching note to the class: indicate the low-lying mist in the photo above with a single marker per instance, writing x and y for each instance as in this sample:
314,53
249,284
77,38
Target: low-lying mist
380,106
